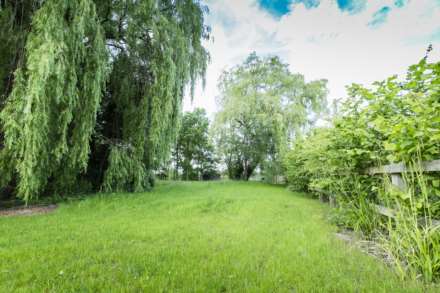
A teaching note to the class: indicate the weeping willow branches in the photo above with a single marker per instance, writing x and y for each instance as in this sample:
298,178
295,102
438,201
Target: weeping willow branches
97,94
160,54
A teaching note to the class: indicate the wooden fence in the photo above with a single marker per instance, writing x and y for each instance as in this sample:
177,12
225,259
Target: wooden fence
395,171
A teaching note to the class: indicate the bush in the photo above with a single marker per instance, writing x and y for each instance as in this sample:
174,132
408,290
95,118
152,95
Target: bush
396,121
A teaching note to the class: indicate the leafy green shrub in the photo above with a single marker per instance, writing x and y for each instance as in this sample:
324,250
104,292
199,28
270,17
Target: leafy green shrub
395,121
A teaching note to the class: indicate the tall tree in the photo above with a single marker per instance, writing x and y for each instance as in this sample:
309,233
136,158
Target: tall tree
157,52
97,91
50,114
262,107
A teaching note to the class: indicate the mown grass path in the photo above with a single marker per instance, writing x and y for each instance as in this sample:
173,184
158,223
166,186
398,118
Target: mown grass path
187,237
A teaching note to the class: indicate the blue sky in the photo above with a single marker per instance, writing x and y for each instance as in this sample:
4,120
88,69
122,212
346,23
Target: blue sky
279,8
344,41
282,7
380,16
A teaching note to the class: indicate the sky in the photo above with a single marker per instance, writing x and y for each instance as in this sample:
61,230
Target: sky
343,41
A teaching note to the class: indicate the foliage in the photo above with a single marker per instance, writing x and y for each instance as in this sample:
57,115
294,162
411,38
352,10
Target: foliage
375,127
188,237
305,163
396,121
262,107
15,20
412,239
97,90
50,114
123,168
194,152
158,53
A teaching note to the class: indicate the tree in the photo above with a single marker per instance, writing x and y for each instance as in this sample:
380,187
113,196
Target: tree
193,152
94,93
263,106
15,19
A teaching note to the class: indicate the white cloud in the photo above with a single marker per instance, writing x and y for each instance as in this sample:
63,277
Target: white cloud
320,43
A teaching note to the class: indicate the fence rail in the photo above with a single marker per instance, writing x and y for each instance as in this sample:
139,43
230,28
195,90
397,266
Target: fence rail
395,171
430,166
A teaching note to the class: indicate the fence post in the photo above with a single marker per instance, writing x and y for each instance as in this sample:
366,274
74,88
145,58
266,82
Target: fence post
397,180
332,201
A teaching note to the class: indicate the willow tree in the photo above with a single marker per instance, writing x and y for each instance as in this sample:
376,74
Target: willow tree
157,51
15,18
50,114
263,106
97,92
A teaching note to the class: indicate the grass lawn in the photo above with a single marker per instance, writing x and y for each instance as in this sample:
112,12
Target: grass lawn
187,237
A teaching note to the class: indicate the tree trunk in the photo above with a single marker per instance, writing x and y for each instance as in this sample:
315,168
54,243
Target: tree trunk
245,170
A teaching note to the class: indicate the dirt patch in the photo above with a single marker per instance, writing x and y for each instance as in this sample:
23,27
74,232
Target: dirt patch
28,211
369,247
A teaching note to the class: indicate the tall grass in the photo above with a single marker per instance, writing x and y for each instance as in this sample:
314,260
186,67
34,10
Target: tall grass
355,208
411,238
358,214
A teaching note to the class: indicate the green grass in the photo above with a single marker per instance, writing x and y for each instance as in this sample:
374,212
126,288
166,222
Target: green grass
187,237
